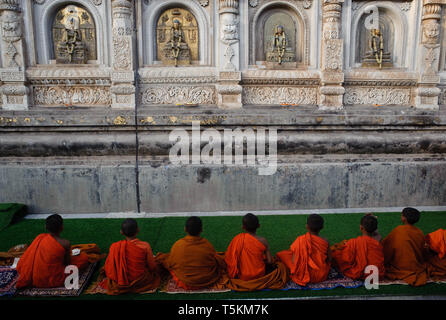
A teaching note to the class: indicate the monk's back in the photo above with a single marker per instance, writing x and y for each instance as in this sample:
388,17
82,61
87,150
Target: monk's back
310,264
403,255
42,264
193,261
245,257
366,251
404,247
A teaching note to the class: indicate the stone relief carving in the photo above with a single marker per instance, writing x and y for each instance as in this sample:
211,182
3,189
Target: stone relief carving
11,33
178,94
121,47
177,75
377,95
79,96
253,3
405,6
95,2
229,29
269,95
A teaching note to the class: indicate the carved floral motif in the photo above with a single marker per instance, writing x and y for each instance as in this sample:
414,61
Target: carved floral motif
260,95
80,96
178,94
372,96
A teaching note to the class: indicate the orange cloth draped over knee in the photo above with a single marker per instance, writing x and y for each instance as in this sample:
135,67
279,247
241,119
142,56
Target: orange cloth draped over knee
130,267
193,263
354,255
310,259
91,250
436,264
42,264
404,255
246,267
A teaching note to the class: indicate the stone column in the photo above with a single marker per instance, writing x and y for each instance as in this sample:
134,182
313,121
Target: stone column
229,90
122,76
427,91
332,75
14,93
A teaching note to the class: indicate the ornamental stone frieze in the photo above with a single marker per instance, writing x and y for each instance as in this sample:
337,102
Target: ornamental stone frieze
123,84
427,91
228,87
14,93
331,90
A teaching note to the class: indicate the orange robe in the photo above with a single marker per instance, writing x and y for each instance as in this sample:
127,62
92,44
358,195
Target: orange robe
356,254
130,267
246,267
193,263
310,259
42,265
436,264
245,257
404,255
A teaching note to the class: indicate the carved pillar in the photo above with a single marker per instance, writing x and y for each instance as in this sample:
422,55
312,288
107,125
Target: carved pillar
427,91
123,77
14,93
332,75
229,89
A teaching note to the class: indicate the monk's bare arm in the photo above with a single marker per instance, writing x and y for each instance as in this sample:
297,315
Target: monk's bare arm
269,258
329,258
67,246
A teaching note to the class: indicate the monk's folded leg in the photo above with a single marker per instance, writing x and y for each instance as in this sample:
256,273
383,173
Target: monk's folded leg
80,261
276,279
286,257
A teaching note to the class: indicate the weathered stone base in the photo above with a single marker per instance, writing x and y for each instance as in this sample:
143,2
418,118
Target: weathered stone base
305,182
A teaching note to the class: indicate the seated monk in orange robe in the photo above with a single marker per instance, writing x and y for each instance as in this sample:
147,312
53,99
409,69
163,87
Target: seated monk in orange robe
192,261
130,265
404,252
308,258
248,256
44,261
436,263
353,256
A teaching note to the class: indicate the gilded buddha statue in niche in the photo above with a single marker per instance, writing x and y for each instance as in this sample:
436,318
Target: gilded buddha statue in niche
176,48
280,50
71,48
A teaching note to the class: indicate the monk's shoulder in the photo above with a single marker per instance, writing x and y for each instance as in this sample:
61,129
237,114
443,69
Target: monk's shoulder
325,239
207,243
262,240
64,243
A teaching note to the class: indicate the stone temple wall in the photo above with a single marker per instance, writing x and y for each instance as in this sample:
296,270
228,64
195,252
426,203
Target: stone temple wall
91,89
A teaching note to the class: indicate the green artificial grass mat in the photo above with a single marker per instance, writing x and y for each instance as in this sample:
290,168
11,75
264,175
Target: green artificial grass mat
280,232
10,213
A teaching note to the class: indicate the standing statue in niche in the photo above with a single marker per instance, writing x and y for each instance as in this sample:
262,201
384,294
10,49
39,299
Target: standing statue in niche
176,48
377,46
376,56
280,50
70,48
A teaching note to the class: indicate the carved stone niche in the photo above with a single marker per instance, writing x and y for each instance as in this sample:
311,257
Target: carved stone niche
73,35
393,29
177,37
367,44
278,38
